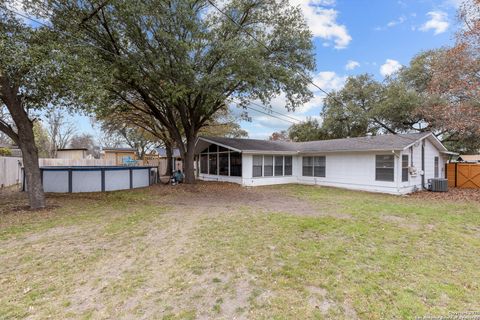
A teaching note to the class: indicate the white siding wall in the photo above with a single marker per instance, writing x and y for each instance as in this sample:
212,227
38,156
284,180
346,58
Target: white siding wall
354,170
415,182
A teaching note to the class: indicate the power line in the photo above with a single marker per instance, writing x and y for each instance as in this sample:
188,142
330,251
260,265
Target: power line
271,115
267,112
100,48
273,111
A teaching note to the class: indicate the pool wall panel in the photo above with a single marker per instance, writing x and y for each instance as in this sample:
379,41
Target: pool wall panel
141,178
55,181
117,180
86,181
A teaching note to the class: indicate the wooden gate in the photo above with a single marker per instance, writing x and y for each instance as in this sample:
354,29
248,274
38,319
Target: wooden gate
463,175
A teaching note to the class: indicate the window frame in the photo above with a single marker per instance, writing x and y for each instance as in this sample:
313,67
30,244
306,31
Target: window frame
405,173
309,166
221,152
436,167
322,166
275,166
290,166
318,164
377,178
259,157
268,171
236,155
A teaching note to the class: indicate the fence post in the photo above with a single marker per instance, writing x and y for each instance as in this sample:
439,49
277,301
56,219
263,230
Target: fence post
456,173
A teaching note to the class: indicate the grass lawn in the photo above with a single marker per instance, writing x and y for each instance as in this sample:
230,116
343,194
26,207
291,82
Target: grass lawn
222,251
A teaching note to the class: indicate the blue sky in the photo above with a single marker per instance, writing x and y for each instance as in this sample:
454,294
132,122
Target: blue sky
353,37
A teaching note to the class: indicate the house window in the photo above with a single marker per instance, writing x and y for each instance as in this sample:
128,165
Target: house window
384,167
435,167
212,163
319,166
223,164
204,163
279,165
235,164
268,166
314,166
288,166
307,166
404,168
257,166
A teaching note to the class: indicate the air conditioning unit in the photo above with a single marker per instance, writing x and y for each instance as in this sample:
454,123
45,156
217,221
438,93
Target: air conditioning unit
438,185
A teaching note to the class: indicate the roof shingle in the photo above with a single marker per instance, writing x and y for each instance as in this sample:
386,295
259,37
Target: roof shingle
369,143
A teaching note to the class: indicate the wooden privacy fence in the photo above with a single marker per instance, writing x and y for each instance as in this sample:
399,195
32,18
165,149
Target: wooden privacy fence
10,171
47,162
463,175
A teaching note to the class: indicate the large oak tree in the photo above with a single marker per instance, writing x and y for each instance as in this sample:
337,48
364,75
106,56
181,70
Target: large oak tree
183,59
30,80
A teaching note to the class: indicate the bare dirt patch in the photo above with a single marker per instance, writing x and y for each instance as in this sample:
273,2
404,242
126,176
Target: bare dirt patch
231,196
453,194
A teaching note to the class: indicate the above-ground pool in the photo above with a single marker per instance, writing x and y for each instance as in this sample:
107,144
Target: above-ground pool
96,179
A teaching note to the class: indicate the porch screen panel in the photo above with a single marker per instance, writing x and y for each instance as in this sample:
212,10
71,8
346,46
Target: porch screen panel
279,165
257,166
223,164
319,166
288,165
212,163
307,166
384,167
204,163
268,166
235,164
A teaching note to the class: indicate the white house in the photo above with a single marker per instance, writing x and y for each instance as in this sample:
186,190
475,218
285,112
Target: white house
396,164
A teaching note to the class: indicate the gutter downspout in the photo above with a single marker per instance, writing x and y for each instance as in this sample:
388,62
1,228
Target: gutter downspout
423,164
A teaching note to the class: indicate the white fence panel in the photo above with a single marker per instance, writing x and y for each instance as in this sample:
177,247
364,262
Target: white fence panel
10,171
45,162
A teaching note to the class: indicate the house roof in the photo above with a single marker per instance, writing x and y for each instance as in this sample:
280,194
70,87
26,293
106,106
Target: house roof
369,143
119,149
251,144
163,153
73,149
469,157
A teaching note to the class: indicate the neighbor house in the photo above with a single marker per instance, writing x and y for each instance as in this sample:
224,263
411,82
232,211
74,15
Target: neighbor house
471,158
396,164
177,163
119,155
72,153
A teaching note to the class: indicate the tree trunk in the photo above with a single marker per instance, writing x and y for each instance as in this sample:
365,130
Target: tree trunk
189,160
169,151
26,141
32,172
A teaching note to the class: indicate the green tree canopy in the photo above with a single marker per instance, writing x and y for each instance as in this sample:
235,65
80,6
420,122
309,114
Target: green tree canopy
184,59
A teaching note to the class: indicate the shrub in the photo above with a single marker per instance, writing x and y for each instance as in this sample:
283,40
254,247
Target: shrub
5,152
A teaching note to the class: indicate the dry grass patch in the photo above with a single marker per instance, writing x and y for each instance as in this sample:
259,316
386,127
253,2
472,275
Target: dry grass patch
219,251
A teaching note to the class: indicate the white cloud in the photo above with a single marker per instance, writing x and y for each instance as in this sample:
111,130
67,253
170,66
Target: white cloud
398,21
327,80
438,22
351,64
262,125
389,67
322,21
